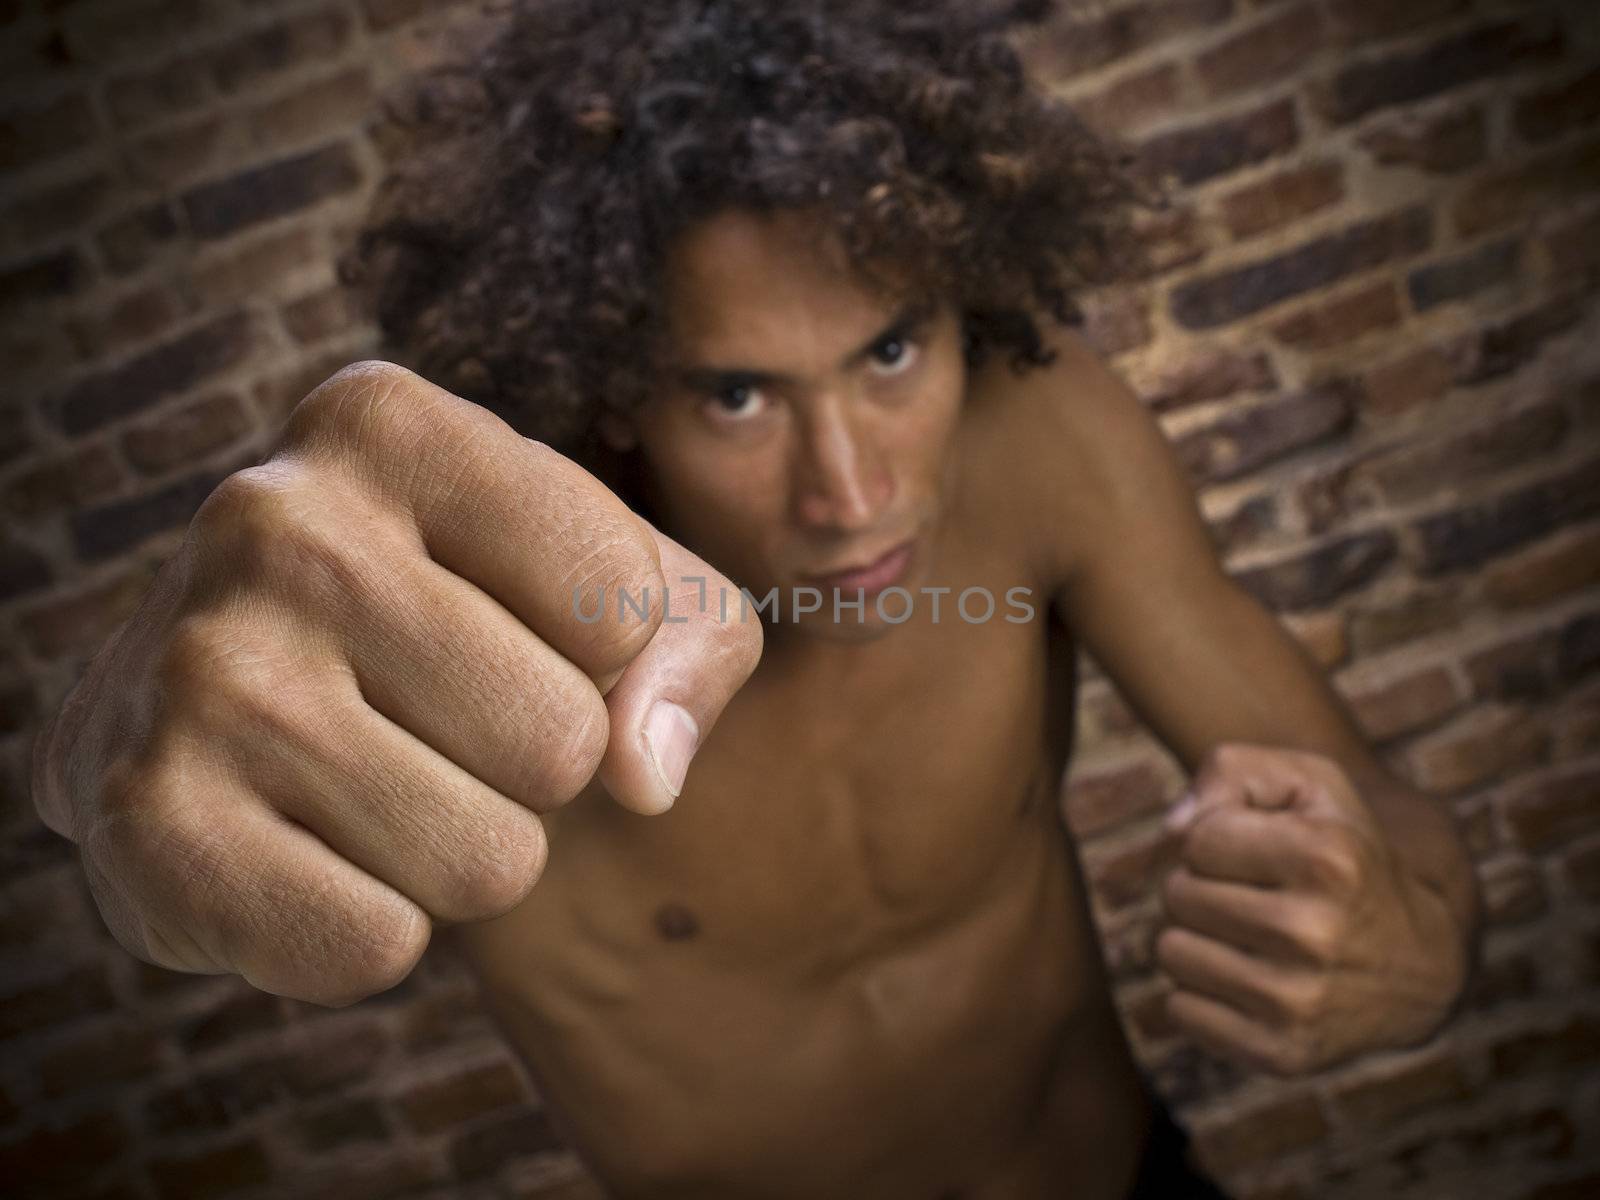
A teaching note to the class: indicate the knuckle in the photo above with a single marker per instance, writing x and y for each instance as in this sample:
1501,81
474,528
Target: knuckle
567,751
621,565
1336,864
395,937
504,867
1317,936
338,406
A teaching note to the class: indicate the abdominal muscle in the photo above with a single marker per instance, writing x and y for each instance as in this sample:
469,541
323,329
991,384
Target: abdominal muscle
975,1054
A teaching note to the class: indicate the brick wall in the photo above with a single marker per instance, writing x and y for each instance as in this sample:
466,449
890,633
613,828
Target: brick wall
1372,337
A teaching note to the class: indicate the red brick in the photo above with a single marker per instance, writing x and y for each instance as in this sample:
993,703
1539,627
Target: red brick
1246,440
1470,535
250,1012
108,1055
187,433
1368,84
1250,523
1271,49
257,269
273,190
178,154
44,277
1554,808
125,33
1440,142
312,109
215,1172
1133,100
1204,151
320,315
1514,669
1132,869
1103,801
335,1056
277,394
1366,20
1549,112
1104,713
341,1123
1486,744
1210,373
122,525
1187,1075
385,14
1075,44
1464,275
1343,318
63,481
1566,562
302,39
1289,195
1582,869
86,618
1511,196
1266,1131
440,1017
60,208
485,1148
173,366
1512,891
138,316
1314,578
80,992
1575,244
1466,458
1499,349
1380,1098
129,242
135,100
1406,382
1239,291
443,1103
406,1171
1168,239
47,130
1501,980
1406,704
1115,321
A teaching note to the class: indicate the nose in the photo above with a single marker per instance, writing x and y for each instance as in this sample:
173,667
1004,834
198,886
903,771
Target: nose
844,483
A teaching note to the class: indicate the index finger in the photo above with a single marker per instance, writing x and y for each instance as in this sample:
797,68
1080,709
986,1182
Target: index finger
526,525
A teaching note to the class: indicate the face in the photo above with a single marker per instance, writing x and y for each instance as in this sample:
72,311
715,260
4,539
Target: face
802,435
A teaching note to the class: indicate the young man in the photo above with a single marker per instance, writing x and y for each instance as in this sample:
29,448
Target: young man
790,279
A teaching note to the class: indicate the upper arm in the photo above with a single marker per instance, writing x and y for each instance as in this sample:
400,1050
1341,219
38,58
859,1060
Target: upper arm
1139,582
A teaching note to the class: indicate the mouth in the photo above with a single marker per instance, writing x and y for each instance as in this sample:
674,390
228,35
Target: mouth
871,576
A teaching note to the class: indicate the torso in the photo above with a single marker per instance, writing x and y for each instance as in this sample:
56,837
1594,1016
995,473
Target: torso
855,958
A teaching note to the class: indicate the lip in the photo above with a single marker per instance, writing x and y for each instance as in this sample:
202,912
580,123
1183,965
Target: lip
872,576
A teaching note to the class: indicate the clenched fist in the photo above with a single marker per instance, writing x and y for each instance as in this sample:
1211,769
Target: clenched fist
1295,934
340,709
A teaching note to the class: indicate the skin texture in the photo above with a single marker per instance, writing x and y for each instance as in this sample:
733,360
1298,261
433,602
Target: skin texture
849,952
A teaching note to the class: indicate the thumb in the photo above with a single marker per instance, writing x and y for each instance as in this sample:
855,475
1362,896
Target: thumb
664,704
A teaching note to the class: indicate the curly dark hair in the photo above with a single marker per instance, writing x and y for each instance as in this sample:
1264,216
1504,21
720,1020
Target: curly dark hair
514,253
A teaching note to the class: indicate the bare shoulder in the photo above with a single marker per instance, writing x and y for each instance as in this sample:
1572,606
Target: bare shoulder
1070,445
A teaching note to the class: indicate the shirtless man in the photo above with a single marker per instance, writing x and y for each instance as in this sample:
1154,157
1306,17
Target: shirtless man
776,902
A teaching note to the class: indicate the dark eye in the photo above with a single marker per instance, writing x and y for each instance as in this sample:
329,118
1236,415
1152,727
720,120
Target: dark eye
893,354
737,400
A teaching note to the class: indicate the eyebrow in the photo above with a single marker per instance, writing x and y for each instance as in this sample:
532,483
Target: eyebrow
912,315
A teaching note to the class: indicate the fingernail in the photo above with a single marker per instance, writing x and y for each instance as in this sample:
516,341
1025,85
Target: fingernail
673,737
